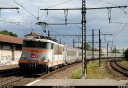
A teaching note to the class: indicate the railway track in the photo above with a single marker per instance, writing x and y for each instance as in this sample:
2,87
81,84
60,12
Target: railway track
8,76
119,67
21,79
7,72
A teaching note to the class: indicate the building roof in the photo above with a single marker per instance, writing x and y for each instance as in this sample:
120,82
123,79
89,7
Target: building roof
10,39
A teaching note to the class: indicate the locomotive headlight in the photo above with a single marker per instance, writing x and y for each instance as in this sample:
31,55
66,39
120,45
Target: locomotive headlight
23,56
45,58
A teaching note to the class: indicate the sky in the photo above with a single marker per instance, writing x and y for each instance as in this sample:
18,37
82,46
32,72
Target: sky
23,21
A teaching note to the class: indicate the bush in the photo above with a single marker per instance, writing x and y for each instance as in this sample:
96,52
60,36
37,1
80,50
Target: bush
126,54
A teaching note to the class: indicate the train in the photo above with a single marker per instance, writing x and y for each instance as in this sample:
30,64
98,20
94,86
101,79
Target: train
41,54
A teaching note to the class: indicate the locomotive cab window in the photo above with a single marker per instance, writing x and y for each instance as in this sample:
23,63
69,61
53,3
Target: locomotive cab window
28,43
37,44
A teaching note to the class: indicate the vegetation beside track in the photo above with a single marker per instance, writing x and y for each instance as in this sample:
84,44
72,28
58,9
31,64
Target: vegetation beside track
96,72
76,74
93,71
124,62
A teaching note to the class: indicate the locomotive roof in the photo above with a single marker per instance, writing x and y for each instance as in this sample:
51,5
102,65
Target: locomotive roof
51,41
43,40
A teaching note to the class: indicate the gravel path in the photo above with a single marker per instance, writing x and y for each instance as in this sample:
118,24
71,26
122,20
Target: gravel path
8,66
66,73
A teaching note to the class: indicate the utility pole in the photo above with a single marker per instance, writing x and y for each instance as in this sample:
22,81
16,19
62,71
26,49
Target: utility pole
92,43
123,50
99,48
115,51
73,43
107,50
83,37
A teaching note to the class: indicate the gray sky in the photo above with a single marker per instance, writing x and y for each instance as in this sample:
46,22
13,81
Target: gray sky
23,22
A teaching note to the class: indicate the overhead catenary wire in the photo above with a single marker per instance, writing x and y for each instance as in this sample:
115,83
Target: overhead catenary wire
117,22
26,10
16,23
120,30
59,4
112,4
6,4
120,23
59,34
55,5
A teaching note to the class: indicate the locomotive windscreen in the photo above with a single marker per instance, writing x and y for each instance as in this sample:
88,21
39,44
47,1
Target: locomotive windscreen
37,44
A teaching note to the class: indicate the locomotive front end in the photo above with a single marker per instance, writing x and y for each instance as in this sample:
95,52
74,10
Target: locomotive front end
35,55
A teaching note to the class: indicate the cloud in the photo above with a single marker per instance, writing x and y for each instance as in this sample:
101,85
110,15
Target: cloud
96,19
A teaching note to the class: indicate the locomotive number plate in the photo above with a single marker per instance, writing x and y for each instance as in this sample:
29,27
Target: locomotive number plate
33,61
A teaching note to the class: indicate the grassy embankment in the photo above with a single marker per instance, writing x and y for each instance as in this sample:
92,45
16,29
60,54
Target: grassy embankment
124,62
93,71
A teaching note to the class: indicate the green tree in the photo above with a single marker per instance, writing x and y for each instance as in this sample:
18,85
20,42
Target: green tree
5,32
87,46
126,54
115,50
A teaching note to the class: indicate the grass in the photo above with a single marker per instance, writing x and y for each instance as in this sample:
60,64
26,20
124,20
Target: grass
93,71
124,62
76,74
96,72
118,79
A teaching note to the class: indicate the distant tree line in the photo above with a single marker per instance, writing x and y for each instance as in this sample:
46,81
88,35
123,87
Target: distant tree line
115,51
87,46
125,53
5,32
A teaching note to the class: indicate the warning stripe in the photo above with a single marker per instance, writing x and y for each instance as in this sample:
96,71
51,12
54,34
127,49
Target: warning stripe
55,62
33,50
41,62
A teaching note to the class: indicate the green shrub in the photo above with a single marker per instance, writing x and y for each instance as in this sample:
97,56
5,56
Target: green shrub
126,54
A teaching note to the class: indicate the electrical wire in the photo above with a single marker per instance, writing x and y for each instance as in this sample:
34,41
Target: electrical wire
117,22
25,9
29,13
10,21
16,23
60,3
119,27
6,4
107,2
121,30
59,34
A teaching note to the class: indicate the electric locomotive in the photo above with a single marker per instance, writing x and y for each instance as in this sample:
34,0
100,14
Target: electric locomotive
40,54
